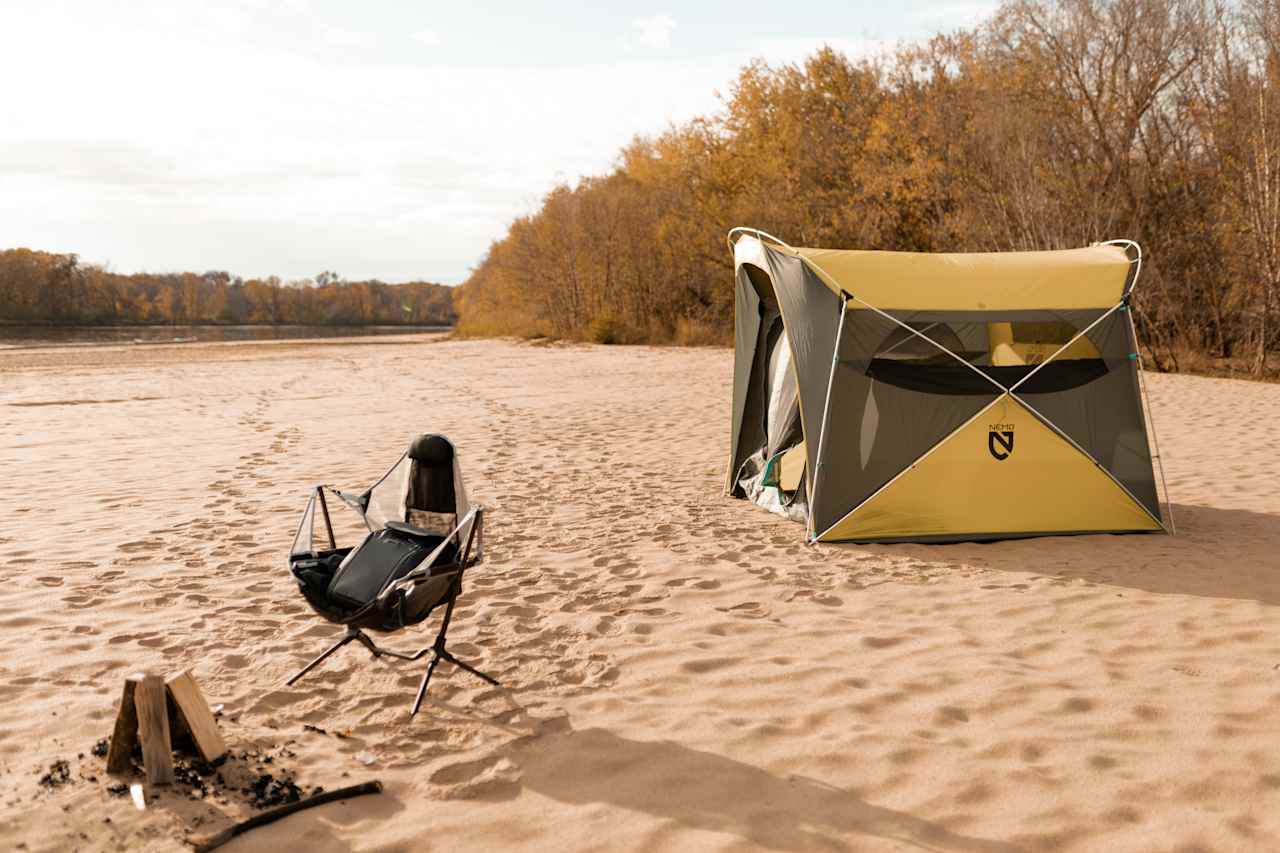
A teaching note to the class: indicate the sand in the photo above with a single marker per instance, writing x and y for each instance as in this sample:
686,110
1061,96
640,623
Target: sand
681,672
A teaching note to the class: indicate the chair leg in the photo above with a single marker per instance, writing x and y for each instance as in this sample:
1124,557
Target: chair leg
469,668
346,638
422,685
438,654
437,650
377,651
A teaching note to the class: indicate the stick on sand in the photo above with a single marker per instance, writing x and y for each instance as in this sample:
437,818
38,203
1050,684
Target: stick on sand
272,815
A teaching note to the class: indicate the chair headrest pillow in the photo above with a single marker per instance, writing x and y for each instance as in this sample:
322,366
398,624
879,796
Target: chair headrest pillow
431,450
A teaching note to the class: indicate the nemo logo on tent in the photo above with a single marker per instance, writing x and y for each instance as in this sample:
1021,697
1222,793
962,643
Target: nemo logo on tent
1000,441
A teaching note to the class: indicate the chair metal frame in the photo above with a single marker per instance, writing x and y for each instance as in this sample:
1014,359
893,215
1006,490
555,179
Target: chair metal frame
404,585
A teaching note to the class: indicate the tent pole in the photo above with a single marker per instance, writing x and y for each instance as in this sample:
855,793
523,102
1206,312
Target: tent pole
1142,379
826,411
1151,425
759,235
1125,244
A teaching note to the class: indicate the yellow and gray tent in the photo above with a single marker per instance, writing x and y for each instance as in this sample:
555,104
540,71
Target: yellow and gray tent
900,396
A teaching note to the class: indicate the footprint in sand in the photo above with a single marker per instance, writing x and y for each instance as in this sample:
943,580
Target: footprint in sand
746,610
607,627
1077,705
706,665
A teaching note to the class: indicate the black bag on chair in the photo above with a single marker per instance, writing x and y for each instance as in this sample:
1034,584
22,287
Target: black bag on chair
423,535
383,557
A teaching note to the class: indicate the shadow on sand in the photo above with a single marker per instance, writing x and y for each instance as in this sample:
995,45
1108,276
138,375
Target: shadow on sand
314,829
1216,553
705,791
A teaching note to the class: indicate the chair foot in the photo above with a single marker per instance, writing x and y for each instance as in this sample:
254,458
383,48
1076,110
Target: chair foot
378,651
439,654
346,638
469,668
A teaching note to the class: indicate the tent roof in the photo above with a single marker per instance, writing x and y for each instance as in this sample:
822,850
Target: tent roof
1092,277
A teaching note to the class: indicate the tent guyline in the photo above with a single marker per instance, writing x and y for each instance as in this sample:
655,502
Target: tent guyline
898,449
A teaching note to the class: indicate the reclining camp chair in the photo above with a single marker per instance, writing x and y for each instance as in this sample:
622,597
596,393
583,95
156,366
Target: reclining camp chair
423,536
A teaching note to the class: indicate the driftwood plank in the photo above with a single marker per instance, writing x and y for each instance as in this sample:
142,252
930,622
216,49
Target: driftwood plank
125,735
153,730
195,717
272,815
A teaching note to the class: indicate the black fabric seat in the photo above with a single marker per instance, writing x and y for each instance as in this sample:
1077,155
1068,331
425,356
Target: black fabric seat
348,594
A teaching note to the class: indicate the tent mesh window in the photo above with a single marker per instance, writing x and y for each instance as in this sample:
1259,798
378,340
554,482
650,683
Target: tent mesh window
1005,351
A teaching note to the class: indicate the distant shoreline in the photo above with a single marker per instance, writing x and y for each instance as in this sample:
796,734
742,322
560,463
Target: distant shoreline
9,324
36,337
115,355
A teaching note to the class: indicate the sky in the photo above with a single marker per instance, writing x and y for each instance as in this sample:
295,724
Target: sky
375,139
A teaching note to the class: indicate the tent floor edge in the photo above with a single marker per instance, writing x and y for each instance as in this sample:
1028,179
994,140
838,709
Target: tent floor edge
955,538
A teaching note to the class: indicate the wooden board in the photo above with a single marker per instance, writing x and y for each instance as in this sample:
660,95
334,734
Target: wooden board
791,468
125,735
194,717
153,729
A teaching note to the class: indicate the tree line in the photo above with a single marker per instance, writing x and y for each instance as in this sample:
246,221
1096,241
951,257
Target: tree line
1049,125
44,288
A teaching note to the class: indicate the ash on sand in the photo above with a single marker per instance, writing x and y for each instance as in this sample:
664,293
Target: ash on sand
59,774
255,778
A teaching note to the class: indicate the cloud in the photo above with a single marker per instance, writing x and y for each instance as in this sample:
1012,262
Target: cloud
652,32
262,151
102,163
340,37
957,14
264,159
430,38
796,50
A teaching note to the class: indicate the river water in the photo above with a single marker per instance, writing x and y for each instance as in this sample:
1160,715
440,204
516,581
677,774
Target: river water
26,337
